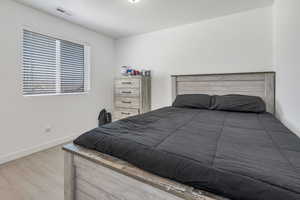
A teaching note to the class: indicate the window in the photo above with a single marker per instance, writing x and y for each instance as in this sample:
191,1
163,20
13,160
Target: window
53,66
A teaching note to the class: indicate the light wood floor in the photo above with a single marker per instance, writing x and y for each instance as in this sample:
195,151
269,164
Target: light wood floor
36,177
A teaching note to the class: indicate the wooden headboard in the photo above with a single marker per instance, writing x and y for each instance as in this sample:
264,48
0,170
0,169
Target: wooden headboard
260,84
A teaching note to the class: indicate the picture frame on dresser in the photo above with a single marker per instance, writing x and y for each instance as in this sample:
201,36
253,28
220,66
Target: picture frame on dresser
132,96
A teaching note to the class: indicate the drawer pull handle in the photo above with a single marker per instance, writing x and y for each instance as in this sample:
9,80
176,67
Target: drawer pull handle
126,92
127,83
128,102
123,113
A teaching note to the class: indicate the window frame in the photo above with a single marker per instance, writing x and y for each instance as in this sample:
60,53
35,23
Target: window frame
87,60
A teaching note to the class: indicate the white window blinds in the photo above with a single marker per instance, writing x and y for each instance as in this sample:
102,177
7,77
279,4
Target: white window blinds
53,66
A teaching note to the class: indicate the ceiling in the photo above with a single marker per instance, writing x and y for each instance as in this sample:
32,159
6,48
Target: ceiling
119,18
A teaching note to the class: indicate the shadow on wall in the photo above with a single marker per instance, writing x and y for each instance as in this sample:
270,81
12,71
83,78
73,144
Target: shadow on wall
282,117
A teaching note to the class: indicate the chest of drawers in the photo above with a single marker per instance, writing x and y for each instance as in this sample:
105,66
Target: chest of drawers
132,96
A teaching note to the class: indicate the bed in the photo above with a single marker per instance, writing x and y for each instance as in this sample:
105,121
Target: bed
183,153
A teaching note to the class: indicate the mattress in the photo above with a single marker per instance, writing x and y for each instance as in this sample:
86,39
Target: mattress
236,155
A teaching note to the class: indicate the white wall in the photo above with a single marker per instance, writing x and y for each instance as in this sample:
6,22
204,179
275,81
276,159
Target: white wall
24,119
237,43
287,61
241,42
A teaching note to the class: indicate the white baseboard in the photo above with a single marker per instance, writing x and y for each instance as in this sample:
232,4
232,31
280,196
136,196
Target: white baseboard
41,147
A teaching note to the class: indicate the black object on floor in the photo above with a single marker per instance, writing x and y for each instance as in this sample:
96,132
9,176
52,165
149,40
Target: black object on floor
104,118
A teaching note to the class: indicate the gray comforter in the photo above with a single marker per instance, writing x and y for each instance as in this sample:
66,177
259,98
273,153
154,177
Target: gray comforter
237,155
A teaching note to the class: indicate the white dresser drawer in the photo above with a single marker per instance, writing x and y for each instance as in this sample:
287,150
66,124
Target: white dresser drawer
127,83
124,102
127,92
123,113
132,96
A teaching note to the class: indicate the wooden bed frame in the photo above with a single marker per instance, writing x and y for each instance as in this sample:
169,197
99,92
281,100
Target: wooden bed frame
90,175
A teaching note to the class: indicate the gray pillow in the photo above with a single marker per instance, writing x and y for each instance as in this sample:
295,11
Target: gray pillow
238,103
200,101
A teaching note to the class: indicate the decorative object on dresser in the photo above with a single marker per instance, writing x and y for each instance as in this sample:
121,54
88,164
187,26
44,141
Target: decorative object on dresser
132,96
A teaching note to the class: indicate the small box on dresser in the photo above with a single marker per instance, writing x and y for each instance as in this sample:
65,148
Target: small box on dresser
132,96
